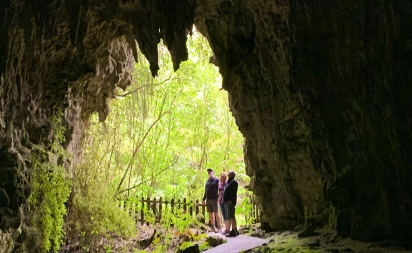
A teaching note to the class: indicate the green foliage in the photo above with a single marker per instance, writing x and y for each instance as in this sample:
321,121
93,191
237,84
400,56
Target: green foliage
94,214
204,246
186,245
50,190
287,244
163,131
244,207
159,137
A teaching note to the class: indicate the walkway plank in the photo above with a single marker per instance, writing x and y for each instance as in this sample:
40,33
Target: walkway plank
236,244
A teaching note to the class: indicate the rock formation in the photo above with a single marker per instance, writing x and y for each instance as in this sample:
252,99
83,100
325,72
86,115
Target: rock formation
319,89
320,92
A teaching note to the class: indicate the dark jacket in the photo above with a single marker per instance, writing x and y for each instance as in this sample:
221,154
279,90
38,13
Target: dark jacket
211,189
230,193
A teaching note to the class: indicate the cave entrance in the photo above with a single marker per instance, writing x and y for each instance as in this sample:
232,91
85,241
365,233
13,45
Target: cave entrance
164,131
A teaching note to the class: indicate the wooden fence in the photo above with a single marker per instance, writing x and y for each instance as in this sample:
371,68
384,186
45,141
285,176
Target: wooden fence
151,210
252,215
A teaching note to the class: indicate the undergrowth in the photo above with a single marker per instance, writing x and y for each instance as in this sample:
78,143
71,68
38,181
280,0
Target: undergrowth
50,190
287,245
94,216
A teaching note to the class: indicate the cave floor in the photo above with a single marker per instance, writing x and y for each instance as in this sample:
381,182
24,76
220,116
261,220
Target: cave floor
326,240
237,244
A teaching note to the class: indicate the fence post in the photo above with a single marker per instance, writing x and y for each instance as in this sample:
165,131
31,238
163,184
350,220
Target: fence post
154,207
191,208
184,205
197,207
172,203
204,211
255,209
253,204
132,209
252,212
142,212
148,205
160,209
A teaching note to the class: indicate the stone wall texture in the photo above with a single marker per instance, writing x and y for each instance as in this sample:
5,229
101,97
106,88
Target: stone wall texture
321,91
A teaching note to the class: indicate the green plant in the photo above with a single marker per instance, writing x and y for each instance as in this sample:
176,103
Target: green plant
186,245
94,214
107,248
50,189
291,245
204,246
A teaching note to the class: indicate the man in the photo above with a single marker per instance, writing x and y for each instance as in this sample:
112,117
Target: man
229,198
210,196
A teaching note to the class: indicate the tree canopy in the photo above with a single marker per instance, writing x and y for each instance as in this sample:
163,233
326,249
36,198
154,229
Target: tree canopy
163,132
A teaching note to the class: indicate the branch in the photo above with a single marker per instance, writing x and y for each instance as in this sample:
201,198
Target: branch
144,86
143,182
129,166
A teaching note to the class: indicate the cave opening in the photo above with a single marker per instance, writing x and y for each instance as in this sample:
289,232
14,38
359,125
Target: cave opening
157,141
163,132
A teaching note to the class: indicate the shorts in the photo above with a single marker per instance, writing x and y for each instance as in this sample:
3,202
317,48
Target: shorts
230,210
224,213
211,206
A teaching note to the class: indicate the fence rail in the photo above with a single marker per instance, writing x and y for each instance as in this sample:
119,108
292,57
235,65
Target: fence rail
146,209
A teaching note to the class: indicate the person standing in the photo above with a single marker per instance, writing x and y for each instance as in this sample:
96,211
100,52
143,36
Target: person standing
210,196
229,198
222,185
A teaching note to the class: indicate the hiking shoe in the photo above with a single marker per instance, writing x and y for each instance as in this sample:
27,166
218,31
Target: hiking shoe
214,230
233,233
225,232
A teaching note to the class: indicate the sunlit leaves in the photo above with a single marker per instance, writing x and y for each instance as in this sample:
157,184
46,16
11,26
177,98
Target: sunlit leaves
162,132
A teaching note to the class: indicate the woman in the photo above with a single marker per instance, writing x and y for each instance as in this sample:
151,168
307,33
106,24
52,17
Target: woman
221,188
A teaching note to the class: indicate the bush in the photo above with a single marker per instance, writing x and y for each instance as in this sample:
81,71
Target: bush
93,216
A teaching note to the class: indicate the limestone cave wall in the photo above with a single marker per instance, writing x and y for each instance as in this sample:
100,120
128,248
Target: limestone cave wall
320,90
68,56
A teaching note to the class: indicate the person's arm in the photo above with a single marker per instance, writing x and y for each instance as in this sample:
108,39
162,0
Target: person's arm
235,191
226,193
232,192
204,195
216,188
219,193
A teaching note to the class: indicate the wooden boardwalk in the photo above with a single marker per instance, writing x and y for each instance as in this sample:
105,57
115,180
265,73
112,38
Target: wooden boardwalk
236,244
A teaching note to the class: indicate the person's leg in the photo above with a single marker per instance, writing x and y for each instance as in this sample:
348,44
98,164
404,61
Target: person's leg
227,225
212,220
217,218
209,207
231,216
222,210
216,214
225,219
233,223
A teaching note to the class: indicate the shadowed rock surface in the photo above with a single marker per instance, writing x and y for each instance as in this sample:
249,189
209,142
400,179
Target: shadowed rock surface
320,90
